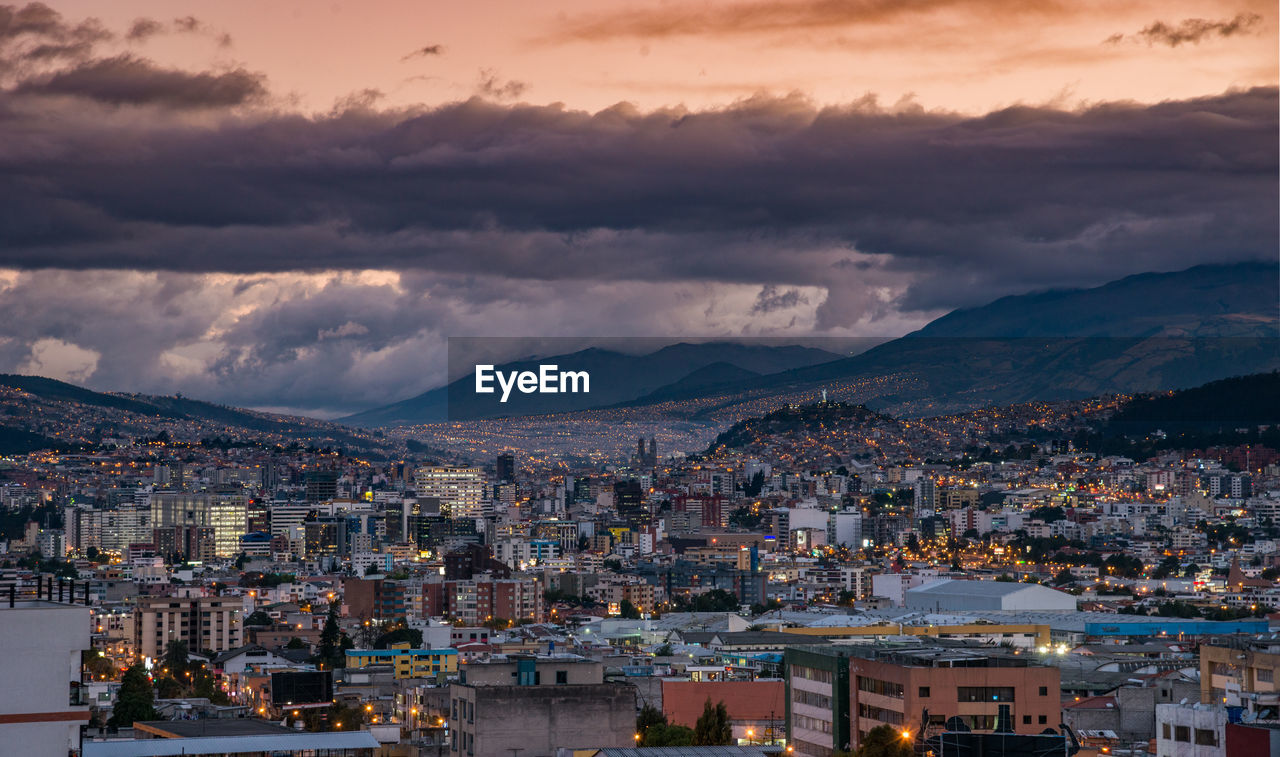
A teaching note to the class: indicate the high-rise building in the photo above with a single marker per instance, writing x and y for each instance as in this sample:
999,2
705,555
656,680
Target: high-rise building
460,490
226,512
506,467
321,485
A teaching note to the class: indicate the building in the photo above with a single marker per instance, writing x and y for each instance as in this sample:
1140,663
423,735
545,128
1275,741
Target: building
460,490
375,598
408,663
837,694
536,706
226,512
41,704
1191,730
505,470
949,594
1242,671
206,624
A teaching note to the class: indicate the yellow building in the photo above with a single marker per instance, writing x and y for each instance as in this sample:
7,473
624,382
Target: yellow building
408,663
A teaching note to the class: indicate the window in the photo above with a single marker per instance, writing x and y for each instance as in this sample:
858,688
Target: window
883,688
891,717
562,676
1205,737
1044,691
1043,719
924,692
1026,720
1166,732
1265,675
984,693
1181,733
811,674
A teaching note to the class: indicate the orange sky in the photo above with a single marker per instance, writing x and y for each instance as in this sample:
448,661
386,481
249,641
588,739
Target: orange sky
970,55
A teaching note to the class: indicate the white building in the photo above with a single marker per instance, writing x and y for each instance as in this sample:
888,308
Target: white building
40,706
460,491
1191,730
962,595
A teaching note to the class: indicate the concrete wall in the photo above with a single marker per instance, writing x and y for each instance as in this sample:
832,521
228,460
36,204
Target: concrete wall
40,656
538,720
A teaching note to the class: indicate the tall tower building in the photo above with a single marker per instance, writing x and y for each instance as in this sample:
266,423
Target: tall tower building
460,490
506,467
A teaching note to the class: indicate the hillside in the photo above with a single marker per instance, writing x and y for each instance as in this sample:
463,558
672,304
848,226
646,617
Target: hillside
1240,401
41,413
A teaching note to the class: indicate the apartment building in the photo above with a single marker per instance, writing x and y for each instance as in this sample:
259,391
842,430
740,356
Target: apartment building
206,624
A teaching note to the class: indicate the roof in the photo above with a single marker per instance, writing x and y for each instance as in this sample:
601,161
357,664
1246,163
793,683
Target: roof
222,745
209,728
398,652
682,751
951,586
682,701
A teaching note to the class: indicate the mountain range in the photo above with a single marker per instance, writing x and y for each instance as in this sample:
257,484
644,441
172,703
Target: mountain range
1148,332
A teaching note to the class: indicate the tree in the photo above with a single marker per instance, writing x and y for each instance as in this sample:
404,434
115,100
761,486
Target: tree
398,636
135,700
667,735
649,716
885,741
628,611
168,688
175,658
91,553
1065,576
712,728
663,651
258,618
329,637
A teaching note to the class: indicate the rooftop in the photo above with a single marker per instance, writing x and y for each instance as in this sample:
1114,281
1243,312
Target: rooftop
290,743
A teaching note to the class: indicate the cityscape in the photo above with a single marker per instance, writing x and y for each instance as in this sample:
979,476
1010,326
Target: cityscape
830,378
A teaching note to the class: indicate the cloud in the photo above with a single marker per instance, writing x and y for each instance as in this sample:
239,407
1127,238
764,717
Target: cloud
143,29
130,80
770,16
35,33
491,85
1191,30
770,299
424,52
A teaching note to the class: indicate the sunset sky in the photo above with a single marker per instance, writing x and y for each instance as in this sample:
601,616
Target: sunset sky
291,204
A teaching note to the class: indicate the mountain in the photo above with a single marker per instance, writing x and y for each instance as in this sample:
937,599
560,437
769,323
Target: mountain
616,377
1151,332
1207,301
43,413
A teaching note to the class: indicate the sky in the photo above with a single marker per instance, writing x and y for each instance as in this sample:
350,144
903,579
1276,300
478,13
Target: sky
291,205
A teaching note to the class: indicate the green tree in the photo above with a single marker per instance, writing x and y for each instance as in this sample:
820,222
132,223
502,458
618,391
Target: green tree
329,638
258,618
649,716
168,688
667,735
296,643
628,611
885,741
135,700
712,728
663,651
175,658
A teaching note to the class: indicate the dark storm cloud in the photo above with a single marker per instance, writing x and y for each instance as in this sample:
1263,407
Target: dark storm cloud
766,191
130,80
1192,30
771,299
